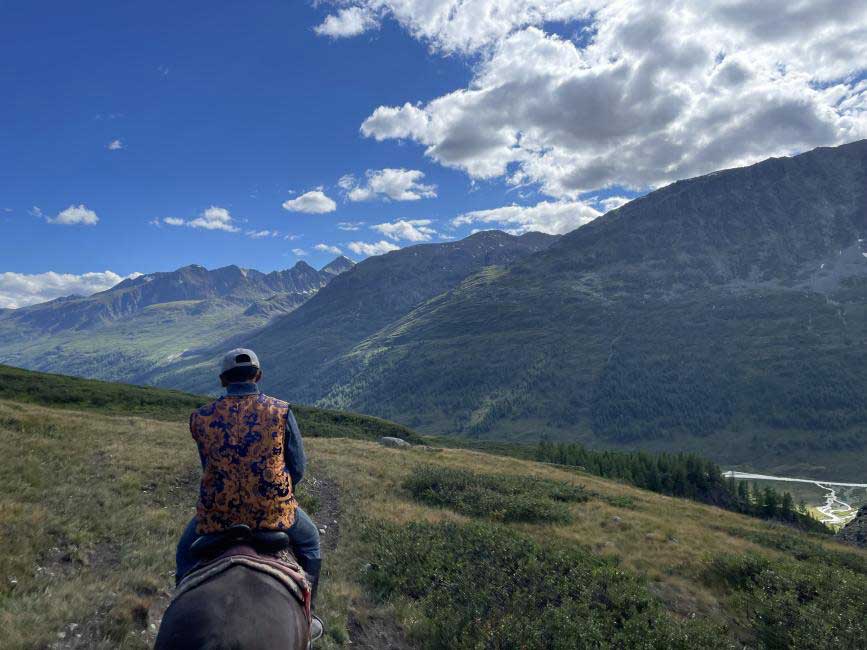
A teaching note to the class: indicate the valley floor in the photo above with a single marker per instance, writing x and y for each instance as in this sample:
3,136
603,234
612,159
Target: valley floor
832,503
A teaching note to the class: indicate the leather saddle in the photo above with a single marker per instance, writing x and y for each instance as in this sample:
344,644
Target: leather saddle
212,545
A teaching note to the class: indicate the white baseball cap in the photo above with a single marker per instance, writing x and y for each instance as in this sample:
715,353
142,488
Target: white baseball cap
239,358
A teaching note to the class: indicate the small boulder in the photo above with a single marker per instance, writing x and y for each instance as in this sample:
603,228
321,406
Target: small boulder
389,441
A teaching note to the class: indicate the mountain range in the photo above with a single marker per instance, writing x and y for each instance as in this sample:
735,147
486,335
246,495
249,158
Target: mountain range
121,333
724,314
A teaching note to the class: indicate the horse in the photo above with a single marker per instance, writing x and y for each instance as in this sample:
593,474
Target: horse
238,598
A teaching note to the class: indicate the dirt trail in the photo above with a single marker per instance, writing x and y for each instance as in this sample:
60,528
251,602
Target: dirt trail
327,515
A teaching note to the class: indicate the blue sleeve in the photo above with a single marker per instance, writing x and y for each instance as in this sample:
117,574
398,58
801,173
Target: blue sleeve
293,450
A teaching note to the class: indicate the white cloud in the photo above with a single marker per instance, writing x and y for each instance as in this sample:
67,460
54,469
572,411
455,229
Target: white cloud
350,21
347,182
74,215
371,248
115,145
214,218
21,289
554,218
325,248
613,202
414,230
350,225
299,252
395,184
313,202
36,211
647,92
262,234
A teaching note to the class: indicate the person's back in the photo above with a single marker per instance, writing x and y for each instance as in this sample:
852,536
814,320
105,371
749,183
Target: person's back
244,475
252,458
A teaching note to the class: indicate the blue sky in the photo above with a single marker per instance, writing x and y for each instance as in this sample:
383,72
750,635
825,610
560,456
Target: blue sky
233,108
518,114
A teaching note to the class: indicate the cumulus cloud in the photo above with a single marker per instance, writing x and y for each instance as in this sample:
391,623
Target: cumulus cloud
325,248
299,252
552,217
21,289
394,184
645,93
115,145
350,225
313,202
214,218
350,21
74,215
414,230
371,248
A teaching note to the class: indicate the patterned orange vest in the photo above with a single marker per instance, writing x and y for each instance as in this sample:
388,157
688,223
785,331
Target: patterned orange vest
244,475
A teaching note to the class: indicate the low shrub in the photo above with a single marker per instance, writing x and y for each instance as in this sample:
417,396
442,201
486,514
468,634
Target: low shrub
497,497
483,585
795,604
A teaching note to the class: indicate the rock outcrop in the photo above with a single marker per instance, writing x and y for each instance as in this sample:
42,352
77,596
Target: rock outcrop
855,532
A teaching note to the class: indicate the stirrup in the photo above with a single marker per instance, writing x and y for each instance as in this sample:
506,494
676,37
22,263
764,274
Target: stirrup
317,628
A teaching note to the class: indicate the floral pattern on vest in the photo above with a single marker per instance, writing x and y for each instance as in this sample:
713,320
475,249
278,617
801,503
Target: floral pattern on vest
244,476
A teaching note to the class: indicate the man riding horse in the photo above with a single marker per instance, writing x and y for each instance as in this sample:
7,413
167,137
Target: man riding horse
252,459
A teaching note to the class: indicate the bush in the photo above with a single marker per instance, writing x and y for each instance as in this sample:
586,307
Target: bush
484,586
501,498
791,604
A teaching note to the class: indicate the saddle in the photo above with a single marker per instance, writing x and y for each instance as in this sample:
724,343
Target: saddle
265,551
268,542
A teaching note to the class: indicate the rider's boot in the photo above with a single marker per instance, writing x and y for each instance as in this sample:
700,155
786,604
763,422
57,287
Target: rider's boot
313,567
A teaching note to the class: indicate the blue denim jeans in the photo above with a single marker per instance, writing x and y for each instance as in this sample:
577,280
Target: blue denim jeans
303,533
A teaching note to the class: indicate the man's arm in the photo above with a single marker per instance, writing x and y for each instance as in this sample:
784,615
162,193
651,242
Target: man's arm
293,450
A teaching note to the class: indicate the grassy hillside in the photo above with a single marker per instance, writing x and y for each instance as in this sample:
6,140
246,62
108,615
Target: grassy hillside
425,547
62,391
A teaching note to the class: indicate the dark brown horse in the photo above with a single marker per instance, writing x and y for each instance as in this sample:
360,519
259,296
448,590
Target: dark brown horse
239,608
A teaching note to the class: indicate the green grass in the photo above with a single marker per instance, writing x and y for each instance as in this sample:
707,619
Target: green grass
497,497
90,509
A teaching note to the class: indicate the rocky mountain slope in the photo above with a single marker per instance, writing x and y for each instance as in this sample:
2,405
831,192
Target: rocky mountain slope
300,346
125,331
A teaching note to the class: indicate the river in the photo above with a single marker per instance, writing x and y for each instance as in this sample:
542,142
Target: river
835,512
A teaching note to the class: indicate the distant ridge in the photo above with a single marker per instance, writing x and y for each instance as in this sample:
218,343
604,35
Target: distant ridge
123,332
